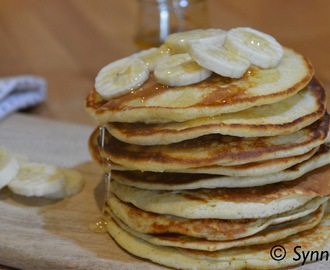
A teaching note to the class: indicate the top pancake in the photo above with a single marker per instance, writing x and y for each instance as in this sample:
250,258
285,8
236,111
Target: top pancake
155,103
283,117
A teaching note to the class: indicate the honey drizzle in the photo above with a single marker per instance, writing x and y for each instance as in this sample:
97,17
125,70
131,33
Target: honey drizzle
100,226
107,179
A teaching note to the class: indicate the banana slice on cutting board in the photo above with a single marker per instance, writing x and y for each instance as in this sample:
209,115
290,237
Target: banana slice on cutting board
261,49
180,42
37,179
8,167
73,185
179,70
121,77
219,60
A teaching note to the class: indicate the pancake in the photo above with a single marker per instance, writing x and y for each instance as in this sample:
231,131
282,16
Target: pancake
249,257
229,203
155,103
214,149
249,169
180,181
283,117
93,149
209,229
266,167
271,234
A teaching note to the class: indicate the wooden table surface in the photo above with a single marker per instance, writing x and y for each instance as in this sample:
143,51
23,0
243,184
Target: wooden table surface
67,42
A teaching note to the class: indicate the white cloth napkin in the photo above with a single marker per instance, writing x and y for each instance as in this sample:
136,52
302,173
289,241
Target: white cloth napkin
21,92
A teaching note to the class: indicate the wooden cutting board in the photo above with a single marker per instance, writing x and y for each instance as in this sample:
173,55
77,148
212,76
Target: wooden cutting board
38,233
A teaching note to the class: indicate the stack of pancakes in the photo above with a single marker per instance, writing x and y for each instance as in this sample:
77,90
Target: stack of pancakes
215,174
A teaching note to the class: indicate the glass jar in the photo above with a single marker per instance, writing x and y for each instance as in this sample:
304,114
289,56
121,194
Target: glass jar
156,19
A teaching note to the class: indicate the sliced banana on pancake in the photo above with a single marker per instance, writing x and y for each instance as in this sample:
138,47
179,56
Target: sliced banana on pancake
121,77
179,42
220,60
8,167
261,49
216,95
151,57
37,179
180,70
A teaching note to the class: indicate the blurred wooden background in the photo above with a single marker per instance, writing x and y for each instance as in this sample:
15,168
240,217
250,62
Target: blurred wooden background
67,42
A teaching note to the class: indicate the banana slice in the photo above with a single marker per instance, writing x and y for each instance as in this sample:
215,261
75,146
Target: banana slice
73,185
151,57
8,167
179,70
219,60
121,77
261,49
37,179
179,42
